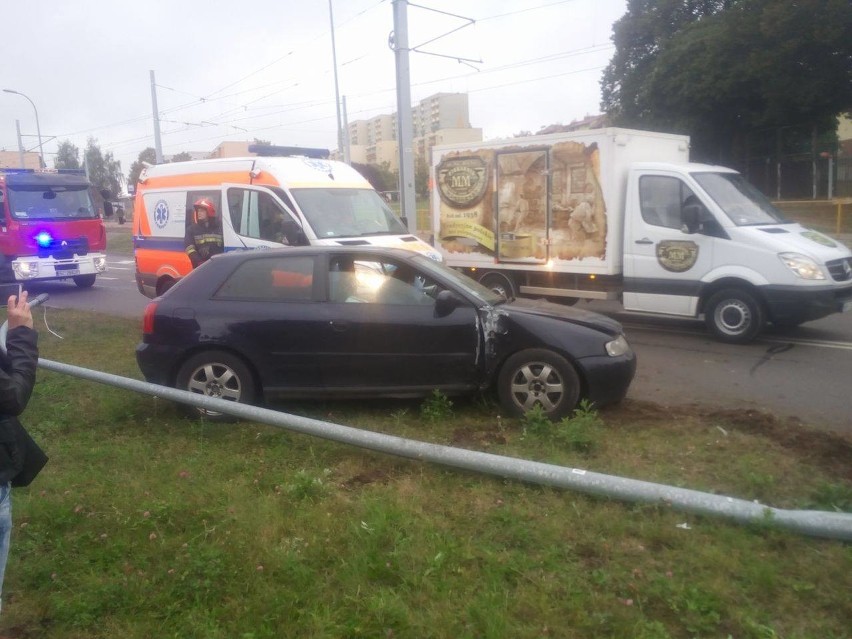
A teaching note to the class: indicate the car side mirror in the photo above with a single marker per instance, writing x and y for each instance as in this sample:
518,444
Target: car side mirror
689,217
446,303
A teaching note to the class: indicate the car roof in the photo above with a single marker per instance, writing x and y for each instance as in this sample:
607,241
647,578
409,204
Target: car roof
378,251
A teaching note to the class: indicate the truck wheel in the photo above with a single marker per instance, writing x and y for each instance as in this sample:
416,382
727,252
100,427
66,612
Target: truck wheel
538,377
216,374
84,281
734,316
499,283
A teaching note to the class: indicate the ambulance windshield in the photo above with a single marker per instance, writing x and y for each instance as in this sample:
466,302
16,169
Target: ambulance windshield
54,202
341,212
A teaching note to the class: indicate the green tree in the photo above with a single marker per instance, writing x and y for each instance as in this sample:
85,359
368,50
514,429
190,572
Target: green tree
262,142
67,156
149,156
421,178
183,156
103,170
720,70
380,178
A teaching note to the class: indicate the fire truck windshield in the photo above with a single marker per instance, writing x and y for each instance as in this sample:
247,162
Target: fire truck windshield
57,202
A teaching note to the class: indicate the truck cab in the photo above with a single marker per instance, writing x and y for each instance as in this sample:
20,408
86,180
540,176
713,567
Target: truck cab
49,227
700,240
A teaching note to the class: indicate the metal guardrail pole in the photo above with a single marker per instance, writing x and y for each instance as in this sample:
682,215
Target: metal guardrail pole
808,522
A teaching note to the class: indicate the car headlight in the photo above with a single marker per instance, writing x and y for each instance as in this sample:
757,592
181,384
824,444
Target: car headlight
618,346
802,266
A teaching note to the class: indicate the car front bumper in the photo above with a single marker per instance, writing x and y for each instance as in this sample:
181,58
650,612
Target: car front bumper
608,378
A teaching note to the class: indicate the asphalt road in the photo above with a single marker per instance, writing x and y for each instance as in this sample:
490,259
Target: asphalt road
804,373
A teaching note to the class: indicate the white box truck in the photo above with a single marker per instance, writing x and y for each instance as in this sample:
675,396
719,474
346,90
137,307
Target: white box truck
622,214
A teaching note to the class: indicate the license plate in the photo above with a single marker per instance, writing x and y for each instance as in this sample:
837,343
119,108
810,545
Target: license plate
67,272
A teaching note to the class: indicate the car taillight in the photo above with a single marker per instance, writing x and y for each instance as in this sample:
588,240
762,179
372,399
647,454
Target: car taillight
148,318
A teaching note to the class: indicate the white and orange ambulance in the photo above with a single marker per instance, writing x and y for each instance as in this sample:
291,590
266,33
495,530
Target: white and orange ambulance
261,201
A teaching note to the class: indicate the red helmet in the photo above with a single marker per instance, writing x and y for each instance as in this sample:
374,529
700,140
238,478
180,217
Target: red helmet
205,203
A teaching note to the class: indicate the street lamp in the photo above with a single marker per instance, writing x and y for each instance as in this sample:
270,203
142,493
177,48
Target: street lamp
38,128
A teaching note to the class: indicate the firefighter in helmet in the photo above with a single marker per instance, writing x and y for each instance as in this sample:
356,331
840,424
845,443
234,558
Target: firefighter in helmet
203,237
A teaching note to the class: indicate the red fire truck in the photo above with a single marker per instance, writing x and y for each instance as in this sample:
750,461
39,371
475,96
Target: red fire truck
49,227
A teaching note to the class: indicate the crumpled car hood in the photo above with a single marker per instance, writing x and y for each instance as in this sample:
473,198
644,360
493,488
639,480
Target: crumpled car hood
567,313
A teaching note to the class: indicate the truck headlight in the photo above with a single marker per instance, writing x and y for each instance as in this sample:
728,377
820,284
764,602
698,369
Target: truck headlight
100,264
25,270
618,346
802,266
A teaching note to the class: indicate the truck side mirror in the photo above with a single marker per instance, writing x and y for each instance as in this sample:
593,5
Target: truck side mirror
689,217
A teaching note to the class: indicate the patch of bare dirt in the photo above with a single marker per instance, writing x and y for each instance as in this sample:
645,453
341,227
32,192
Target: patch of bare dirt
832,451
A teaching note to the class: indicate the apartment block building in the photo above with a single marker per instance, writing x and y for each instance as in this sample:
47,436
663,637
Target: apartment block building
439,119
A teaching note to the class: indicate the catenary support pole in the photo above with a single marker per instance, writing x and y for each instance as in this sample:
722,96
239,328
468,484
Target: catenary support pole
405,128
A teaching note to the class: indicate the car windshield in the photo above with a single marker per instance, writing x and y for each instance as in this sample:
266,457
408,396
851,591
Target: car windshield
469,286
55,202
741,202
337,212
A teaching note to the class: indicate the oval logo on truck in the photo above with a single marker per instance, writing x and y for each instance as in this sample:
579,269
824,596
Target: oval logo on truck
462,181
677,256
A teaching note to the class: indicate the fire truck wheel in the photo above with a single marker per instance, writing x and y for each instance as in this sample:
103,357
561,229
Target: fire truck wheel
84,281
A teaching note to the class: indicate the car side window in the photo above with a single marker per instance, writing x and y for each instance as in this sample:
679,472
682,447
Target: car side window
278,279
372,282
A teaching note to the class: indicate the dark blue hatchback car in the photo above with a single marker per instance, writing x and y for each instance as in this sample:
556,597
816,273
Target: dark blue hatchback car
344,322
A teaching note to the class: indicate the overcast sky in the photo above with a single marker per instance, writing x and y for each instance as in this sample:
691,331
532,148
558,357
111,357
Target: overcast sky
229,70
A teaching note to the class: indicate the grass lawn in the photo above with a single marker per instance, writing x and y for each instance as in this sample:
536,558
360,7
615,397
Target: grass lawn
146,524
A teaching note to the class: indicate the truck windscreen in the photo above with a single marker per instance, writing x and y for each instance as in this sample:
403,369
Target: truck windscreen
337,212
51,203
740,201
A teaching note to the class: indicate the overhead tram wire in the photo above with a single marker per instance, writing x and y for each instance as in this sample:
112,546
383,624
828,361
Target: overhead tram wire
512,13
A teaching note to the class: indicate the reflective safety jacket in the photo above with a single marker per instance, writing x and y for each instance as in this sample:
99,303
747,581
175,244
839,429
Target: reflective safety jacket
202,242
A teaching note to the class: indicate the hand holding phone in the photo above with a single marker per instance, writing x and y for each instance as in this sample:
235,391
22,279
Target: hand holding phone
18,311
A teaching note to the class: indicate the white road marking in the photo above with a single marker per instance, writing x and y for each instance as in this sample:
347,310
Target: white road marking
845,346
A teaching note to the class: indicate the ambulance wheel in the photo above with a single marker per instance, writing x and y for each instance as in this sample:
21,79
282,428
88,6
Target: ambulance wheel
216,374
84,281
734,316
499,283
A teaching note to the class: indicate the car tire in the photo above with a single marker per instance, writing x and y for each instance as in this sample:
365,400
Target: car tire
84,281
538,377
216,374
734,316
499,283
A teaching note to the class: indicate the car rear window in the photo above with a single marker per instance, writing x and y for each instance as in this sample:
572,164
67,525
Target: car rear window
278,279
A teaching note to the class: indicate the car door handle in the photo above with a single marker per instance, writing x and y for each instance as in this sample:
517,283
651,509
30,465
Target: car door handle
644,240
338,326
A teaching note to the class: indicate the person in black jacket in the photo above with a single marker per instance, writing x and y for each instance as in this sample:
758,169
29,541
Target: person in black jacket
203,238
17,378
